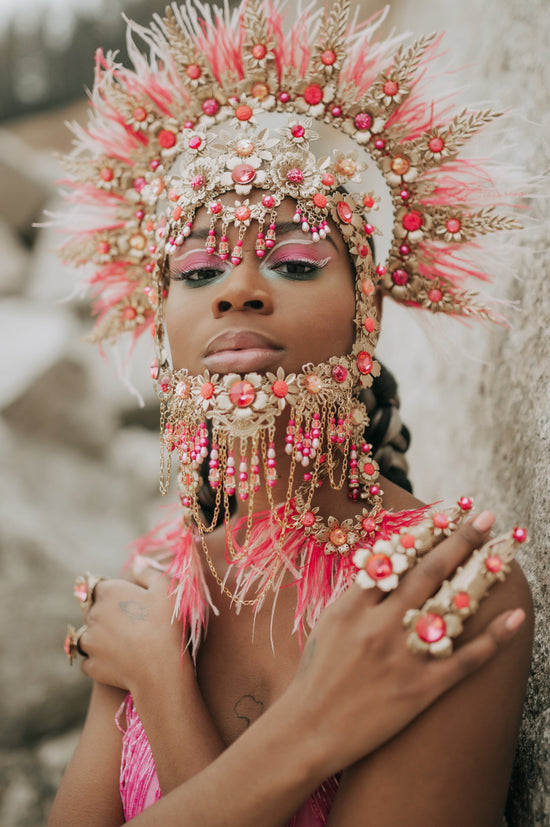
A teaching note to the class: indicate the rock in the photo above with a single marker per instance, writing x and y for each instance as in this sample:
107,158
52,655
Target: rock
15,262
35,339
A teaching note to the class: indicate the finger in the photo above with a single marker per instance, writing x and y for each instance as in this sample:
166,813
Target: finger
436,566
473,655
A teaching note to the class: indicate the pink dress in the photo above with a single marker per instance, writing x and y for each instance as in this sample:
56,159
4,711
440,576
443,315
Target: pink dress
139,785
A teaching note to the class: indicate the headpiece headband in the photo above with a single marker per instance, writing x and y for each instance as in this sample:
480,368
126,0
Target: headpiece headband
252,99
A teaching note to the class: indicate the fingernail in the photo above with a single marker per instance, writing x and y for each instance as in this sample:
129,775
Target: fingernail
484,521
514,620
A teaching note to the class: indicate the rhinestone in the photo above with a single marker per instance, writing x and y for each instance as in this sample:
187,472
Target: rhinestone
401,165
242,394
345,213
243,174
364,362
431,627
378,566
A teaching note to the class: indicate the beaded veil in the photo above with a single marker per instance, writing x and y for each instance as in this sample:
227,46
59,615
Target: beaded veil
306,105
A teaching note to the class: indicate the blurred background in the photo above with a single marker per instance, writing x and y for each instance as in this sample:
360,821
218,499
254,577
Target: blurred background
79,456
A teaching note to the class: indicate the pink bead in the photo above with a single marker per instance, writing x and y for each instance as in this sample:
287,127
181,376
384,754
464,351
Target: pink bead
520,534
363,121
400,277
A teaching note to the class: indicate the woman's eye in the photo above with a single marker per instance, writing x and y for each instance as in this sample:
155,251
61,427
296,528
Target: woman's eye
297,269
198,276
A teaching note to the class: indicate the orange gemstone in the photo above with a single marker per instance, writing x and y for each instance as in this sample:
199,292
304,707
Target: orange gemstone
378,566
401,165
320,200
207,390
307,519
369,325
243,112
327,180
407,540
242,394
129,313
279,388
259,90
242,213
313,384
431,627
338,537
367,287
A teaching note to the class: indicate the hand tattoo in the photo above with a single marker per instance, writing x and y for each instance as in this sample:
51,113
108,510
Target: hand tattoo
248,709
135,610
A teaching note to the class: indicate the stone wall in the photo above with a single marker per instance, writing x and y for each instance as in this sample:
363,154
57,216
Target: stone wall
79,458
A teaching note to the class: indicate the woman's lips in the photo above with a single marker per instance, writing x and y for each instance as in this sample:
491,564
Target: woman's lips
241,352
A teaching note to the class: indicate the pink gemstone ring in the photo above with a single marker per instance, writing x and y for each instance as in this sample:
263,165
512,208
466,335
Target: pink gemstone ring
72,643
84,590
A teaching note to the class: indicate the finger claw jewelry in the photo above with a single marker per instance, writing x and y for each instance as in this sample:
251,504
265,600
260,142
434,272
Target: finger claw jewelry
84,590
433,627
383,564
72,642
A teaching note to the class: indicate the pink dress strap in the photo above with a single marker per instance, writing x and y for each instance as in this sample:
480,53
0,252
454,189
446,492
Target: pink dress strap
139,784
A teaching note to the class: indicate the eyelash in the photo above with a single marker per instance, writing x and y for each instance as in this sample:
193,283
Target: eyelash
192,275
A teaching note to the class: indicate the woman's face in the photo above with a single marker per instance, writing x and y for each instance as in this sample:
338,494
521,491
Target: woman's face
296,305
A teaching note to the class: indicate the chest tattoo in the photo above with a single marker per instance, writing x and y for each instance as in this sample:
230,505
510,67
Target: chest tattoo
248,709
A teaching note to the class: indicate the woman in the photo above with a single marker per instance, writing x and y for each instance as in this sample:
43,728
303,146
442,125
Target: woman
256,192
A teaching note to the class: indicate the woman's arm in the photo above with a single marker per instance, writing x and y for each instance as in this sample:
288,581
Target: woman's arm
89,794
451,766
144,656
357,652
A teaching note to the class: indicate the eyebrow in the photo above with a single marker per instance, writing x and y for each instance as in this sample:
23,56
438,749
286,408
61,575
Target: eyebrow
284,228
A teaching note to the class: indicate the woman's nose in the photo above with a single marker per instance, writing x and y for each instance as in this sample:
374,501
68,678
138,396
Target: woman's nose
244,290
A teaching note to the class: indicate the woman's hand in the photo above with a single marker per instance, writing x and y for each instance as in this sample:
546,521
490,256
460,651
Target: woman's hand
358,685
130,635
